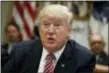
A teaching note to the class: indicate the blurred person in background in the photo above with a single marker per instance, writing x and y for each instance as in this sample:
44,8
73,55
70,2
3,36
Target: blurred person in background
12,34
97,46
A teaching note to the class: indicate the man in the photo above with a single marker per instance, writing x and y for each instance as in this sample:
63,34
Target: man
12,35
97,45
53,52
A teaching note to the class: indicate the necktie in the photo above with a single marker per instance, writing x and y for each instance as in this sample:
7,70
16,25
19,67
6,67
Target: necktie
49,68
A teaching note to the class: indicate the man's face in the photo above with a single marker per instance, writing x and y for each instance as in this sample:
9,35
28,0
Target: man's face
12,33
54,32
96,44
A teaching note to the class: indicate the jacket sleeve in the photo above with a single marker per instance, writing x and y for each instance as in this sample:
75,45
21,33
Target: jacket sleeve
89,66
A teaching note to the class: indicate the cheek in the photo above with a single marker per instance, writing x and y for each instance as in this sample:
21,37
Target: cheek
62,35
63,32
42,35
93,47
16,34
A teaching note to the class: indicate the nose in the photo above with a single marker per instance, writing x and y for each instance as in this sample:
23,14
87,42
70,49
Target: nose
51,29
96,44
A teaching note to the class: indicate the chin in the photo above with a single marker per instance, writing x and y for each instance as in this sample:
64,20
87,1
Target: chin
51,46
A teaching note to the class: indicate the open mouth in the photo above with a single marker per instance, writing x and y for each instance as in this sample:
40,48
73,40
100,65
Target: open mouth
51,40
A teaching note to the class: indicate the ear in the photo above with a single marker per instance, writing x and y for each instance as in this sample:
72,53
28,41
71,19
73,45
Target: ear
69,33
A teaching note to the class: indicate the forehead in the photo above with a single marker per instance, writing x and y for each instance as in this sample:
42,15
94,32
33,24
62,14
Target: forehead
11,27
96,38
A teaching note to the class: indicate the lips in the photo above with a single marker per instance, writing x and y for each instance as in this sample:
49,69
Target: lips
50,40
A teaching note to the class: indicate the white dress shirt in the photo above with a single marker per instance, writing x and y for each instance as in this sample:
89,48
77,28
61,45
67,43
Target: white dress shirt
57,55
10,48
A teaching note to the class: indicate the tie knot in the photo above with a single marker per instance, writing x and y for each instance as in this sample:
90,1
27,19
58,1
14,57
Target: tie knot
50,56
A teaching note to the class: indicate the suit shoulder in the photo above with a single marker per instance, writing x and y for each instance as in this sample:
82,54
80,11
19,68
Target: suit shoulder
24,46
4,45
80,49
83,55
21,49
82,52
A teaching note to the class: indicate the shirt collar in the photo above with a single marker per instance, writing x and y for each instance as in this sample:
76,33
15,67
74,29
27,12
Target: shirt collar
57,54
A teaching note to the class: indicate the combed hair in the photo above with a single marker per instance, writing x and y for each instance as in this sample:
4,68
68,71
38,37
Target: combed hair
56,10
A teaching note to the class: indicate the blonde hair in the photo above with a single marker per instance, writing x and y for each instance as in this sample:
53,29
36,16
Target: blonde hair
56,10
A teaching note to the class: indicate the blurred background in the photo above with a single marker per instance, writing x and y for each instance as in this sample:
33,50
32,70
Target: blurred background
89,17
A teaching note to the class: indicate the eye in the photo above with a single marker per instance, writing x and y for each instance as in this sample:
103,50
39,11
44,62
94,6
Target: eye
46,24
57,24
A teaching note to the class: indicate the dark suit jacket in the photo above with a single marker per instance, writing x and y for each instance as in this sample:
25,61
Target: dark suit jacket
26,59
4,54
103,59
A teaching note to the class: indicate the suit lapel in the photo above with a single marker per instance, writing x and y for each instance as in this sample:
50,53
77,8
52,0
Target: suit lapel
67,61
32,60
101,57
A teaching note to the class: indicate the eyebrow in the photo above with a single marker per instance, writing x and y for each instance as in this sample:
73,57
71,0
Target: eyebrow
45,20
